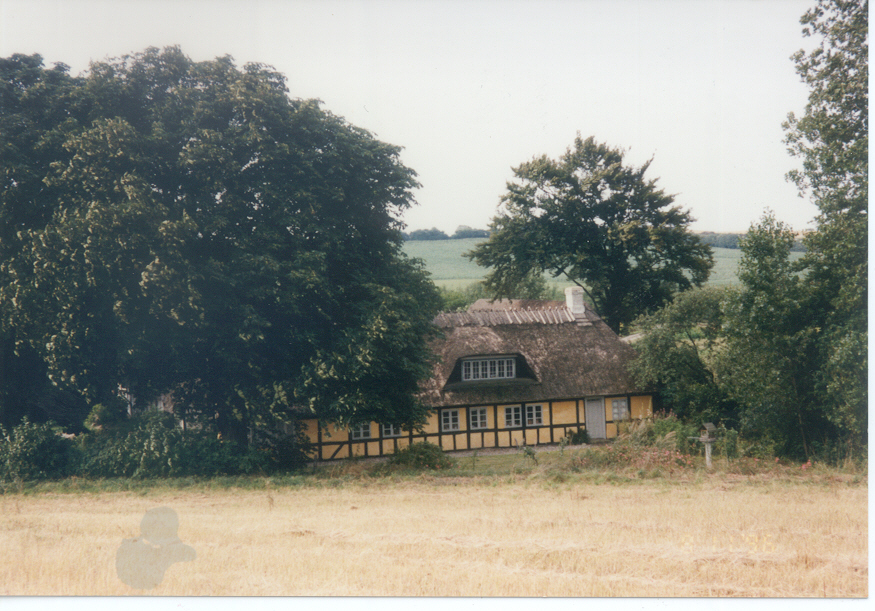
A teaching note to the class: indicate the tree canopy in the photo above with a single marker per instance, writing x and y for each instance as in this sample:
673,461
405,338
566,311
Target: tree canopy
789,364
170,224
832,141
599,223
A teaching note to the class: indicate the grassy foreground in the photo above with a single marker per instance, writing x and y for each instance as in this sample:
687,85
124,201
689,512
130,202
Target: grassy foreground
492,526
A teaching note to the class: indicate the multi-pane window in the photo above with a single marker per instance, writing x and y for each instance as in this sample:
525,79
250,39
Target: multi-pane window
450,420
513,416
478,418
391,430
488,369
360,431
533,415
620,409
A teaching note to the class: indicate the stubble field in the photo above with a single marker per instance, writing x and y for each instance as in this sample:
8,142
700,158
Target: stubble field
516,534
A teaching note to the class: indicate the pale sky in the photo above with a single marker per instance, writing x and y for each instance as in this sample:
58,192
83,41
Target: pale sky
472,89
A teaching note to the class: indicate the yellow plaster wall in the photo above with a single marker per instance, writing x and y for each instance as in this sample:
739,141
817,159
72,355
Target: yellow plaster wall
503,439
311,429
329,450
544,435
332,433
565,412
432,425
641,407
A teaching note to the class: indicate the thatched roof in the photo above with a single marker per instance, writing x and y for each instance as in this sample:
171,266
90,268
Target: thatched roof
564,355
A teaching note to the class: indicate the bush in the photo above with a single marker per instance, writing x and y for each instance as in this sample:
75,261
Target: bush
285,453
106,416
668,430
727,442
577,437
34,452
422,455
151,445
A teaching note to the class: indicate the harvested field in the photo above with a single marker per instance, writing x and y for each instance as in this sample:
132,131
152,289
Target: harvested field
505,535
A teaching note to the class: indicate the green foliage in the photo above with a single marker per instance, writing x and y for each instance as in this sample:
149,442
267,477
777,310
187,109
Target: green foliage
535,287
727,442
110,415
680,355
447,265
463,232
578,437
770,349
32,451
177,225
647,461
730,240
428,234
832,140
598,223
152,445
422,455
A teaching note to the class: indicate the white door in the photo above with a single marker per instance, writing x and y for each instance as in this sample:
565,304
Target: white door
594,412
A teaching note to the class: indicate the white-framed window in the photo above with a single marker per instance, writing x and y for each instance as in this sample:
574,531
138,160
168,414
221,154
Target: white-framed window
360,431
513,416
620,408
391,430
503,368
477,415
450,420
534,415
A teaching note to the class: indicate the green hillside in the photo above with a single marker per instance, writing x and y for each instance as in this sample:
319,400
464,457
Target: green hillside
449,269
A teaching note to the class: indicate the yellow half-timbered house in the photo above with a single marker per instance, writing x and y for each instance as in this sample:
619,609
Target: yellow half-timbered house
510,373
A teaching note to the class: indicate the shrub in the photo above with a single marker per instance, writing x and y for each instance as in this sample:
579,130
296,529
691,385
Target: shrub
650,461
105,416
727,442
285,453
151,446
668,430
422,455
578,437
35,451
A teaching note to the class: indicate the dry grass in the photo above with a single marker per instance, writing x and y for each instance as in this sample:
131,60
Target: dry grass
508,535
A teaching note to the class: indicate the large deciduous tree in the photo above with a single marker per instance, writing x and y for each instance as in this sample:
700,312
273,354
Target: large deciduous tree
599,223
171,224
769,355
680,354
832,141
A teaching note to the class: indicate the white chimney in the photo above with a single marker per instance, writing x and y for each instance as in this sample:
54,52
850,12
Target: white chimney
574,301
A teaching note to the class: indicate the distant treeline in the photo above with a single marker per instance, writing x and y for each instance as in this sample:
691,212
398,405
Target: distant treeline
717,240
730,240
462,231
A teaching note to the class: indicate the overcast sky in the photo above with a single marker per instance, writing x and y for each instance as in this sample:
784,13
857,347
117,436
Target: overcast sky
472,89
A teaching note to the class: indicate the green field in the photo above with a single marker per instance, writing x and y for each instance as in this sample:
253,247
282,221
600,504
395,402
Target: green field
450,269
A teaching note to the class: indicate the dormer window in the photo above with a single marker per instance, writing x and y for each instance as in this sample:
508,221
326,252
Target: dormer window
490,370
503,368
